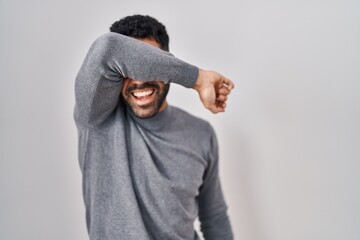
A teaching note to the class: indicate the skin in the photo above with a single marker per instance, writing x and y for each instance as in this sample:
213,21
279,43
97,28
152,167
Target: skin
146,99
213,89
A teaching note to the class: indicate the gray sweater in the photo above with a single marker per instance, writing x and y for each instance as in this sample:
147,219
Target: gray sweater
144,178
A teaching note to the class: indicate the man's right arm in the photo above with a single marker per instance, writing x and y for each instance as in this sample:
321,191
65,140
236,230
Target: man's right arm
114,57
213,89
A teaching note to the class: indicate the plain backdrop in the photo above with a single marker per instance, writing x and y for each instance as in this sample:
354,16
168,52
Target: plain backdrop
289,141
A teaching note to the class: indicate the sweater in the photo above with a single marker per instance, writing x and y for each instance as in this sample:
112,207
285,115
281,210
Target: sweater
144,179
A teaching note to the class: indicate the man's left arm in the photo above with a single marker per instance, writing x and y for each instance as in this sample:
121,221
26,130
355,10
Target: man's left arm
213,216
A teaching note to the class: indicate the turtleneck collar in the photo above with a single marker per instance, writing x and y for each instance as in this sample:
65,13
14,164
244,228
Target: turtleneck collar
157,122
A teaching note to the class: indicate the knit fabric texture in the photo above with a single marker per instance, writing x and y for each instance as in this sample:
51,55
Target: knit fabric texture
144,179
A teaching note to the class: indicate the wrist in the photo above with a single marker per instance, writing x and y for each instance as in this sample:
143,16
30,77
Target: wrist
200,80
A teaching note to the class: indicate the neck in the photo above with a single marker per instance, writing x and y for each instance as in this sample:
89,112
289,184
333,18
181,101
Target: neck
163,106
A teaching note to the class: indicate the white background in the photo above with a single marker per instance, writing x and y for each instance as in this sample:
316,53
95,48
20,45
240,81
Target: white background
289,141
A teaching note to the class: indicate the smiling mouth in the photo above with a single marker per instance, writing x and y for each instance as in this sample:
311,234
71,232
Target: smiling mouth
142,94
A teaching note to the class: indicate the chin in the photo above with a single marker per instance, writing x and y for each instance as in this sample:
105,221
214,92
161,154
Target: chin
144,113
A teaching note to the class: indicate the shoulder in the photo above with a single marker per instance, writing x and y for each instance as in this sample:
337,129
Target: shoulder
196,133
191,122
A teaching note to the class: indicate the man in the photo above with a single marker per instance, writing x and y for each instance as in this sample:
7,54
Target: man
149,169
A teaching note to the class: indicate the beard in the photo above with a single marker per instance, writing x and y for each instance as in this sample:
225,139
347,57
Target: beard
152,108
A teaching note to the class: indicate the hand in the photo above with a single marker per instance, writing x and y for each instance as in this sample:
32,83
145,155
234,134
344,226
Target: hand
213,89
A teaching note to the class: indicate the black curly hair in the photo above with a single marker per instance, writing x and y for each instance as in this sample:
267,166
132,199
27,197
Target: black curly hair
140,26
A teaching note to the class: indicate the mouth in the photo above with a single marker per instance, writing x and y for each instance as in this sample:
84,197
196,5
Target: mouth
140,94
143,96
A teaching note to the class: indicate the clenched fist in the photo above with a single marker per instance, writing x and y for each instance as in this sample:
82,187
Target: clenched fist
213,89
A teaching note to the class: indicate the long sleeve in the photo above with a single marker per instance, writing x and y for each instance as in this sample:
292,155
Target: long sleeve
213,217
114,57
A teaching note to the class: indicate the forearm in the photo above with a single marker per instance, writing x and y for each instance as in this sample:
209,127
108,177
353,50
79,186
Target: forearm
217,227
114,57
140,61
215,223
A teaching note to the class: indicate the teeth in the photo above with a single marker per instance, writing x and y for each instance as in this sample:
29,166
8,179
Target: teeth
143,93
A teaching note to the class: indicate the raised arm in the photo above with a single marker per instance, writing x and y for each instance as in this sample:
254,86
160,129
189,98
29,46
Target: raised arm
114,57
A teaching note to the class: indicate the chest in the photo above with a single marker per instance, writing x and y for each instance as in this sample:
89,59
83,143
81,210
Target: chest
171,161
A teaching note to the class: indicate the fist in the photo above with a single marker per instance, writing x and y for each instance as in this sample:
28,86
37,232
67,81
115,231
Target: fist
213,89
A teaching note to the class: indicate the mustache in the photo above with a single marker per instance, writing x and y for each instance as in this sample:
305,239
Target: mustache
142,86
